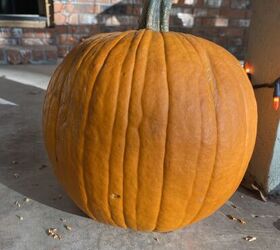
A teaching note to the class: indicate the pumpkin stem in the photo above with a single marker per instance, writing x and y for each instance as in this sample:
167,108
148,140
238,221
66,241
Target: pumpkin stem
155,15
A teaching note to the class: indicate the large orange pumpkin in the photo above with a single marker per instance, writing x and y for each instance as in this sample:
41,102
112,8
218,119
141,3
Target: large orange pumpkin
149,129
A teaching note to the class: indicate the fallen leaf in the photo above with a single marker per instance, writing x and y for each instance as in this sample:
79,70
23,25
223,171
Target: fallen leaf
260,192
156,239
232,205
241,221
17,203
250,238
52,232
68,227
231,217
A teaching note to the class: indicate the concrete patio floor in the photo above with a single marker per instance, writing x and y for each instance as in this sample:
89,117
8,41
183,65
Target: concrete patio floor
26,172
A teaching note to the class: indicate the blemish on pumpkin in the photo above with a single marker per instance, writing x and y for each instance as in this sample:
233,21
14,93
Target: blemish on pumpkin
115,196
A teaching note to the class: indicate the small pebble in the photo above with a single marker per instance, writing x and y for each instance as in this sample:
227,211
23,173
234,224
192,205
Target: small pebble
68,227
20,217
156,239
26,199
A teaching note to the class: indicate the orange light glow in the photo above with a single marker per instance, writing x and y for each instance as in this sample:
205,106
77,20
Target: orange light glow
248,68
276,103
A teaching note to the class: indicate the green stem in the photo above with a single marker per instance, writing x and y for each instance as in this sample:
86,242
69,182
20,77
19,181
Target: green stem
155,15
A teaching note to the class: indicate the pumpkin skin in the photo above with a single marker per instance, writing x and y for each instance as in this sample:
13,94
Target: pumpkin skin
149,130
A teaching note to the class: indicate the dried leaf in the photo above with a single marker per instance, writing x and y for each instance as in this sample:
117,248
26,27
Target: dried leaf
260,192
241,221
68,227
53,233
232,205
16,175
20,217
156,239
17,203
250,238
231,217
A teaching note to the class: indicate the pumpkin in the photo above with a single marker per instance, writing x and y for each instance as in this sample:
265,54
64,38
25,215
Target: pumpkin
149,129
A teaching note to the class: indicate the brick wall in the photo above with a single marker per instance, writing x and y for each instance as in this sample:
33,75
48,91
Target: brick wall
225,22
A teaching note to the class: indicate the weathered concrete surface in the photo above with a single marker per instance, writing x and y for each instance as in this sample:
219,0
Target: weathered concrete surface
22,153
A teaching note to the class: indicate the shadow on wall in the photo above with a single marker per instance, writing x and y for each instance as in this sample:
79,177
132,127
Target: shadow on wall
24,165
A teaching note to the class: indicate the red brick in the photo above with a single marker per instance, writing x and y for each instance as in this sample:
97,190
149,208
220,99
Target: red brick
8,41
231,32
225,3
204,21
69,7
233,13
38,55
28,35
62,51
200,3
213,12
85,8
51,55
59,19
26,55
5,32
58,6
67,39
73,19
35,41
13,56
221,22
